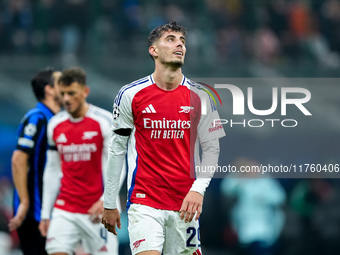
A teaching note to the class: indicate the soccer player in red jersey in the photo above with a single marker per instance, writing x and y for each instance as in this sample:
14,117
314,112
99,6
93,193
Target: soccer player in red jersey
78,139
158,122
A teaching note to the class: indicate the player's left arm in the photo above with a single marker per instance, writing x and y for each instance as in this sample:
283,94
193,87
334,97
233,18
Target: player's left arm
193,201
209,141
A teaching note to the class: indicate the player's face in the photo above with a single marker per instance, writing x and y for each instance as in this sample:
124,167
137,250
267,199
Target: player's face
74,98
170,48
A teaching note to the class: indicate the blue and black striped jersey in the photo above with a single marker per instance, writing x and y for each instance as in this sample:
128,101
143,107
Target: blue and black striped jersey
32,139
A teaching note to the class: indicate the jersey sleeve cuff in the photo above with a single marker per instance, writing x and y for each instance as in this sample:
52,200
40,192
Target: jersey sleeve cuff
110,206
198,190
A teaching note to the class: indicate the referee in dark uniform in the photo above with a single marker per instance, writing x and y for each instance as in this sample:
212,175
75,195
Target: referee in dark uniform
28,162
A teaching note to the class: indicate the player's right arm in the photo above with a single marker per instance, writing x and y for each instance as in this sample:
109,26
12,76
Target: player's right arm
117,150
28,136
51,182
19,173
121,130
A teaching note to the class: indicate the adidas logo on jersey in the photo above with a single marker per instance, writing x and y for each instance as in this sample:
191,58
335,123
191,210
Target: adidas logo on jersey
61,138
149,109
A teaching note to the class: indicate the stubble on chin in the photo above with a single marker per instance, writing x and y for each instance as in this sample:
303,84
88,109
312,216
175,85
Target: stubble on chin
174,64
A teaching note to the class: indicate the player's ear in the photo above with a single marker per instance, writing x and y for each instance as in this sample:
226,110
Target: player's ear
153,51
48,90
87,90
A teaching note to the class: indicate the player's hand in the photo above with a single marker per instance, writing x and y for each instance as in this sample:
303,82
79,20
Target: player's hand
18,219
110,219
95,211
43,227
192,203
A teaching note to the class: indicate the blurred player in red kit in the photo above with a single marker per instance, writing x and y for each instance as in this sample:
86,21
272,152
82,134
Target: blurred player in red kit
73,180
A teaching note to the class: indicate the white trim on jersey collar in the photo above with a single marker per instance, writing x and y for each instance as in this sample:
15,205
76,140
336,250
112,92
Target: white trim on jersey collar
183,80
153,81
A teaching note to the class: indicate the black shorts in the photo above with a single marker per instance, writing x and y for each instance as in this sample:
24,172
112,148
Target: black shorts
31,241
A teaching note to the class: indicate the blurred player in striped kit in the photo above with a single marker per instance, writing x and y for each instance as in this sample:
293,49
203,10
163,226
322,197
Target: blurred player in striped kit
28,161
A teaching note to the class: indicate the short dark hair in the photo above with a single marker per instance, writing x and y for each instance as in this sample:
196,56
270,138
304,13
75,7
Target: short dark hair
74,74
40,80
158,31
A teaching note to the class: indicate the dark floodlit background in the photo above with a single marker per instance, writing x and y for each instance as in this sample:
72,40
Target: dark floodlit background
226,39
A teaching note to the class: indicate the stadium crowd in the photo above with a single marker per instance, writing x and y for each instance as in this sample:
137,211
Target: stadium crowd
271,31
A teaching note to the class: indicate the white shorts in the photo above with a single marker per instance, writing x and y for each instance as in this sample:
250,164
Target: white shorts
162,230
68,229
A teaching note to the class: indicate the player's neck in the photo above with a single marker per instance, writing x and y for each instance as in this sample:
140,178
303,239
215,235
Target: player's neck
167,78
81,112
53,105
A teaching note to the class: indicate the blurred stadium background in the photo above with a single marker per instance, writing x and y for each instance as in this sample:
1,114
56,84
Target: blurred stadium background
227,39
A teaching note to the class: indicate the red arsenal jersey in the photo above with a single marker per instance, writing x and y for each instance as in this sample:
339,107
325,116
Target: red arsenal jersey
82,147
161,149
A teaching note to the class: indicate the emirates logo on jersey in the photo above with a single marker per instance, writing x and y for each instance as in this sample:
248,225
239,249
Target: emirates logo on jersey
77,152
84,147
166,124
166,129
